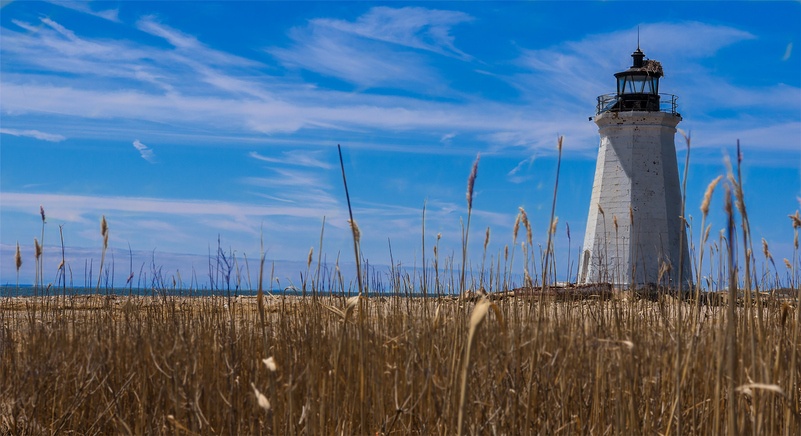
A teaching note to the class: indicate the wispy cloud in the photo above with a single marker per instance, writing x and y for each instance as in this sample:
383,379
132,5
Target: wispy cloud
577,69
364,63
75,207
189,87
145,151
416,27
51,137
446,138
83,6
378,49
304,158
515,176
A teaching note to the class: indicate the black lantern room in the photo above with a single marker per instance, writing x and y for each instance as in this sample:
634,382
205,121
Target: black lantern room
638,87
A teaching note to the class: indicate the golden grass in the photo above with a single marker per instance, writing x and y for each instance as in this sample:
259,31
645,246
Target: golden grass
105,365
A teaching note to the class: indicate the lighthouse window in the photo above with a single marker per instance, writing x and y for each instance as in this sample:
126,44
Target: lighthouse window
637,85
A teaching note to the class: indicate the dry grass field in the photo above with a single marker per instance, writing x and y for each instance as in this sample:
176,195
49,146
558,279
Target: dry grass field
396,365
530,361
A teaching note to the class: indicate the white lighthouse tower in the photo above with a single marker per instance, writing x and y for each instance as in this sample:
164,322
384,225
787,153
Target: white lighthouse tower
635,235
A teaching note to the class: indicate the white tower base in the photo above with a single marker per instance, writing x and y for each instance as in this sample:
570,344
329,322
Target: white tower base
634,231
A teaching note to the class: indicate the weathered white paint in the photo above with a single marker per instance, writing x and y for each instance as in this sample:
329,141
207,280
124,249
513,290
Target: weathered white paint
636,185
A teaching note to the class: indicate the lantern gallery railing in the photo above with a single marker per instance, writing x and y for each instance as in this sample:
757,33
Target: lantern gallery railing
647,102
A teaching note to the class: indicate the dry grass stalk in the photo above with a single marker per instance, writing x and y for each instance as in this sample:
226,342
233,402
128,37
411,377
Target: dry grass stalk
748,389
40,257
553,219
354,228
37,255
404,370
104,235
476,317
471,181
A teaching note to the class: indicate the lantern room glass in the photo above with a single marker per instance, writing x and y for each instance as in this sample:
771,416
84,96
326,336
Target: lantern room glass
637,84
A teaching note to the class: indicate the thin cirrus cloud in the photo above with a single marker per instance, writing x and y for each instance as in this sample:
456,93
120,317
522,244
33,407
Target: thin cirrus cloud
567,75
36,134
788,52
145,151
575,68
383,47
73,208
304,158
352,59
416,27
82,6
377,49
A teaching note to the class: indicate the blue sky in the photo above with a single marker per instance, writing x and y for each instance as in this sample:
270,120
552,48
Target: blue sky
182,122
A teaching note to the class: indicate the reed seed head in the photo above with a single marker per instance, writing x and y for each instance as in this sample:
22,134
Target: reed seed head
486,238
270,364
765,250
264,403
41,212
526,224
351,302
516,228
37,249
796,219
478,315
554,224
708,195
601,210
747,389
471,181
357,234
311,255
567,225
18,258
614,221
788,264
727,206
103,226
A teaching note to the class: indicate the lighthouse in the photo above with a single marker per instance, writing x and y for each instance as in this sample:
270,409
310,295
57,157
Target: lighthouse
635,234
